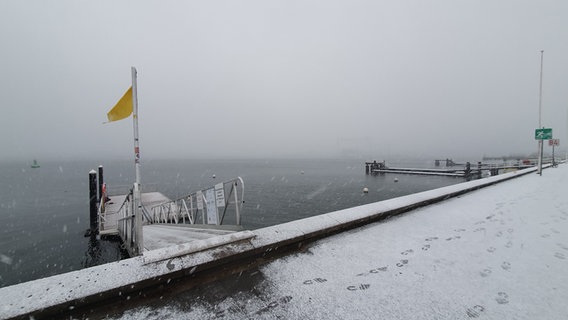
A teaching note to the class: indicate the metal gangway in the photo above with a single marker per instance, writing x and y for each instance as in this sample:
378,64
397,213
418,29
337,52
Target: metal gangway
217,210
217,205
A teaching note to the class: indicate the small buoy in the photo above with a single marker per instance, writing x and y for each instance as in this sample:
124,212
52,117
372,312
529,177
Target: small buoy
365,190
302,172
395,179
213,176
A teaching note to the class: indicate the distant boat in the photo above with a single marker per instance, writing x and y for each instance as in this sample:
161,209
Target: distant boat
35,164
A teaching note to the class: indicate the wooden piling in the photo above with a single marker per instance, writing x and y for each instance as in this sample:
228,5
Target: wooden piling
101,181
93,216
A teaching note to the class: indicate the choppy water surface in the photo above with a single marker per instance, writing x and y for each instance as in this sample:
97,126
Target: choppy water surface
44,212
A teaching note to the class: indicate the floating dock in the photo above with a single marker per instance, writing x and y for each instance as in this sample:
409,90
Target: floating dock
420,171
452,170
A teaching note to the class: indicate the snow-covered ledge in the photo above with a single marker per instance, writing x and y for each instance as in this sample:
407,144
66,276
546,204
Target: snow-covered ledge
117,280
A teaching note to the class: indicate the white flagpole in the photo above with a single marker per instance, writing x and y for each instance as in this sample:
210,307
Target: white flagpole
137,189
135,119
540,142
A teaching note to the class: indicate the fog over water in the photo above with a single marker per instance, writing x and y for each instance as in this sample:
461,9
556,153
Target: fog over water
252,78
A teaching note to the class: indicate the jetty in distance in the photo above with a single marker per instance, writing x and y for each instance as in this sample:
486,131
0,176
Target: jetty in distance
453,169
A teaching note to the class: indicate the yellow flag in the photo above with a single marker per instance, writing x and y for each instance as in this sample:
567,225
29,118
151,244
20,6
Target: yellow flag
123,107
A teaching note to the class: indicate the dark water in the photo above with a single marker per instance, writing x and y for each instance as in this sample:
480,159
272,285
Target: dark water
44,212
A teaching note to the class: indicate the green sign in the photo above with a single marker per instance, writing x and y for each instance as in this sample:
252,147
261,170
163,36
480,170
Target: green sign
543,134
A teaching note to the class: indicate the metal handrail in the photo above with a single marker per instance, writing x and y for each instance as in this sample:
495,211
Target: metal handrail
195,207
127,224
145,213
101,212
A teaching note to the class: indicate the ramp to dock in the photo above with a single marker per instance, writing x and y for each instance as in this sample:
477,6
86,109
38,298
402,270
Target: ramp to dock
164,235
160,235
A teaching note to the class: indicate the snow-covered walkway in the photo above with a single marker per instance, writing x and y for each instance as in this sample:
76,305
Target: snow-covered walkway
496,253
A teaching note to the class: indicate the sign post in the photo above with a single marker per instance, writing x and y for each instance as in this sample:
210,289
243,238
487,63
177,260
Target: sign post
540,135
553,143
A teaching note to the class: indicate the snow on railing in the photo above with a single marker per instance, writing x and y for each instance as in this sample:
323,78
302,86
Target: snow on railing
101,214
214,206
127,228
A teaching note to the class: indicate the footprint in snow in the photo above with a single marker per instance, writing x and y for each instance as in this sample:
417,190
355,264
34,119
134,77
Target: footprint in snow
407,252
491,249
475,311
377,270
506,265
560,255
273,304
502,298
402,263
485,272
316,280
431,238
426,247
363,286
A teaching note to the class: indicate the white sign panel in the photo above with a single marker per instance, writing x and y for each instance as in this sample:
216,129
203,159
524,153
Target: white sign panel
220,195
199,200
212,217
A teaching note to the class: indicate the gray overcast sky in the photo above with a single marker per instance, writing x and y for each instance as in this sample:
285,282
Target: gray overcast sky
441,78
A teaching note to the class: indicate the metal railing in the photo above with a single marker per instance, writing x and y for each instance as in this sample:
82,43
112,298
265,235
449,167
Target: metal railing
217,205
104,224
129,225
102,214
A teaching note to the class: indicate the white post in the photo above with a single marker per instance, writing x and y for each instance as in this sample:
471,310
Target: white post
540,144
237,213
137,188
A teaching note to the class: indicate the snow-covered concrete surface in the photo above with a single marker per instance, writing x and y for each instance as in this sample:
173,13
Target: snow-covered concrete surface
51,296
158,236
496,253
430,263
